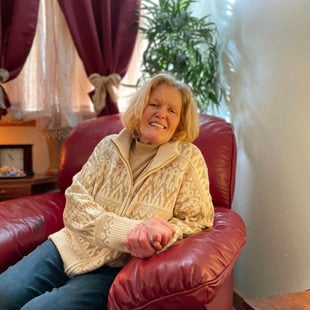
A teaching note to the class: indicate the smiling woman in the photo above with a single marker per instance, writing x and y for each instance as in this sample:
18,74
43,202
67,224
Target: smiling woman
140,191
161,116
187,129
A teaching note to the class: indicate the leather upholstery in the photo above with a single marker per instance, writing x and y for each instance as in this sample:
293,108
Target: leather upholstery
193,274
187,276
26,222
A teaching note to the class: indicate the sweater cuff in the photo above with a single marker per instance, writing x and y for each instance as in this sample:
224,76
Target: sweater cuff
114,234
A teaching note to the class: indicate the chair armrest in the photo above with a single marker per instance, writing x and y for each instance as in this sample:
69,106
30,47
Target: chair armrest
193,270
26,222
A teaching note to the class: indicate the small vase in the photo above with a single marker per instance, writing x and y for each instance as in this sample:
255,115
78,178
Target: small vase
54,139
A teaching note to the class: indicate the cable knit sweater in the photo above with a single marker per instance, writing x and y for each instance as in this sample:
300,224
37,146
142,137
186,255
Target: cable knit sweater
104,203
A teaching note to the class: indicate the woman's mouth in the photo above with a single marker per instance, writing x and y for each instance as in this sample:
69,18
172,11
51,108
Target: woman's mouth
155,124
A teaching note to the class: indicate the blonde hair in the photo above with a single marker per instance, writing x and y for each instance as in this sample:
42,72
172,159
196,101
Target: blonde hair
188,128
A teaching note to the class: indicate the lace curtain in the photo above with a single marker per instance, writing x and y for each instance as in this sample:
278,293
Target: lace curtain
52,87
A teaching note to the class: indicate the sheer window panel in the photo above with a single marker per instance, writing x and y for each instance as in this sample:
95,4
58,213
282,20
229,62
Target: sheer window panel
127,86
52,87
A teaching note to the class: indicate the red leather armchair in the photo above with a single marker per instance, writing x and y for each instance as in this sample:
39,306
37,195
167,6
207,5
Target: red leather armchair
196,273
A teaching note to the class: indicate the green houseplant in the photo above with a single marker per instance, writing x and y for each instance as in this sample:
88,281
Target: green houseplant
182,44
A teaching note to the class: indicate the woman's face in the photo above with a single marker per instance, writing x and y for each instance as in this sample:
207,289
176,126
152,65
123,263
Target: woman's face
161,115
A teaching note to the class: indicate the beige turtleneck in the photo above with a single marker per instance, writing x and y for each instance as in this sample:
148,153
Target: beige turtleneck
140,156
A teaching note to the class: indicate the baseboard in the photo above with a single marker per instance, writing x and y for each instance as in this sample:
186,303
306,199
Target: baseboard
238,301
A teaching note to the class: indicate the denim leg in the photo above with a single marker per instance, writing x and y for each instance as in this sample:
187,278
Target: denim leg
38,272
83,292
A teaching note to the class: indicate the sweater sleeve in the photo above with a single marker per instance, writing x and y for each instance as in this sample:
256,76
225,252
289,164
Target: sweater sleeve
194,209
88,220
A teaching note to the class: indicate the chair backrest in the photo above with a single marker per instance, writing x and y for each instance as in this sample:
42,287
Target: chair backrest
216,141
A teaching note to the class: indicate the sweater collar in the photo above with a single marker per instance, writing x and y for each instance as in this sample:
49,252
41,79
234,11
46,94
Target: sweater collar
123,141
164,154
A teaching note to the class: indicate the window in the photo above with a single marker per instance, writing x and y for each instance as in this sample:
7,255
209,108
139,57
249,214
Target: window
53,87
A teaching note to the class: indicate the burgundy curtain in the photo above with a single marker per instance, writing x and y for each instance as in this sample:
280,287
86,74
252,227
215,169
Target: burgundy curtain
18,20
104,32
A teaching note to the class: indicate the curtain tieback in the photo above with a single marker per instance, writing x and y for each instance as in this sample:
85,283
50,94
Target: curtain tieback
104,85
4,76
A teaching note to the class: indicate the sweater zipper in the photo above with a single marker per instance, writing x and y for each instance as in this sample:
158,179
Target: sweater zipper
132,186
149,172
130,194
131,190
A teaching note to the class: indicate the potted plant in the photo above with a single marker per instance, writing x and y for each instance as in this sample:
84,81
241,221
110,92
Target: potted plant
182,44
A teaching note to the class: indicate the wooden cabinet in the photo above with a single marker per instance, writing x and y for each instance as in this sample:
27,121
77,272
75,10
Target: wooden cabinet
19,187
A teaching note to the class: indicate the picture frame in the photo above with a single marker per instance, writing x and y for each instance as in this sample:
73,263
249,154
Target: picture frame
18,156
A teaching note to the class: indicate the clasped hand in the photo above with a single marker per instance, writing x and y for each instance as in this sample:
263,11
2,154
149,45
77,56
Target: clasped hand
148,237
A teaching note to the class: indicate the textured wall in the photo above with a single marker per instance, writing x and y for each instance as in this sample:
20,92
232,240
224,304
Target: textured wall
265,56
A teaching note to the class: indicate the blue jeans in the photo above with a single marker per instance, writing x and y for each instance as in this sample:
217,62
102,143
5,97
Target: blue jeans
38,281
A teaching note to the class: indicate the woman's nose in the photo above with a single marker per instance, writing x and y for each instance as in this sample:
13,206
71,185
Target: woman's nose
161,113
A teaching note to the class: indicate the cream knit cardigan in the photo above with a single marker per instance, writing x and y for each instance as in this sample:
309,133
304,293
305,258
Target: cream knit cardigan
103,203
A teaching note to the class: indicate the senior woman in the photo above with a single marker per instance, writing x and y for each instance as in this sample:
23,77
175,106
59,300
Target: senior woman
138,193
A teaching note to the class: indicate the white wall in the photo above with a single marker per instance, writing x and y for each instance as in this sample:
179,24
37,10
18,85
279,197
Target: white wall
266,58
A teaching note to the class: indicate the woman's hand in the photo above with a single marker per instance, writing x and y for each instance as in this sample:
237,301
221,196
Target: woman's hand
148,237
